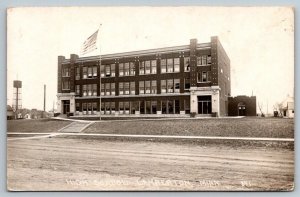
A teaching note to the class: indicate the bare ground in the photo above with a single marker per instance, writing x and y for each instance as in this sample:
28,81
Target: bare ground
85,164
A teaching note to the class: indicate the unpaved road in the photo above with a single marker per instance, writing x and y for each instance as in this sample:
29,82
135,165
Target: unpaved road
83,164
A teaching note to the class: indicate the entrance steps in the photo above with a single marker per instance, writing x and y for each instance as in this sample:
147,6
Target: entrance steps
75,127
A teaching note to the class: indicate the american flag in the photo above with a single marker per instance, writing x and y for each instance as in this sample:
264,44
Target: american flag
90,44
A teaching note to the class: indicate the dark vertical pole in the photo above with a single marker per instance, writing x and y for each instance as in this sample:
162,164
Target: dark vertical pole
17,99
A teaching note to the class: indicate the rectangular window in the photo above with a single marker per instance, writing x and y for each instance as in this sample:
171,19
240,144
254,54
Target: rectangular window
89,108
126,69
77,91
94,71
113,107
121,69
133,107
153,107
177,85
208,59
77,107
148,87
113,88
121,88
148,107
126,88
102,107
147,67
84,90
107,71
142,68
170,109
163,86
153,87
132,68
202,60
186,64
204,76
153,66
66,85
84,72
89,89
177,107
84,108
102,70
94,89
126,107
141,87
66,72
107,89
142,107
187,83
187,106
102,89
170,68
163,107
94,108
107,107
132,88
90,72
121,107
176,65
163,65
113,70
77,73
170,85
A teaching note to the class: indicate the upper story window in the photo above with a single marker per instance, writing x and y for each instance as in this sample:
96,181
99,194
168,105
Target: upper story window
170,86
77,90
202,76
66,85
88,72
187,64
66,72
148,67
77,73
126,88
108,89
89,90
126,69
108,70
170,65
203,60
148,87
187,83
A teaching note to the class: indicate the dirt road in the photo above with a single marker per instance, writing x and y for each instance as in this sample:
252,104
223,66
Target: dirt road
83,164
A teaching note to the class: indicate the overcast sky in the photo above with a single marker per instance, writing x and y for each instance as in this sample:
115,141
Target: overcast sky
258,41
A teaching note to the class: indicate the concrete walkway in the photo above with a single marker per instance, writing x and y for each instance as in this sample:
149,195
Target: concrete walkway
75,127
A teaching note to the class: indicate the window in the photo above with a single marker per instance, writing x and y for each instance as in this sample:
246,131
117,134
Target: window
84,90
102,107
176,65
121,107
170,105
148,107
112,88
163,107
107,107
177,107
163,86
66,85
132,88
126,88
90,72
187,106
170,85
77,91
186,64
202,77
66,72
89,108
141,87
107,71
102,71
84,72
163,65
77,73
187,83
203,60
113,70
142,68
148,87
94,71
134,106
112,107
132,68
121,88
121,69
147,67
84,108
94,107
77,107
153,66
153,107
177,85
170,68
142,107
153,87
126,107
94,89
89,89
107,89
102,89
126,69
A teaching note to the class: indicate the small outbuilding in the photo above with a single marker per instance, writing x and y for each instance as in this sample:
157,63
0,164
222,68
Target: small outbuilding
242,106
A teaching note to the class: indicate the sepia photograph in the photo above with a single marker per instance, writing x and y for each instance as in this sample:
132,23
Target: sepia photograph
145,98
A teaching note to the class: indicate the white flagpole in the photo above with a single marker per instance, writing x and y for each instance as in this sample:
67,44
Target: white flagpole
99,62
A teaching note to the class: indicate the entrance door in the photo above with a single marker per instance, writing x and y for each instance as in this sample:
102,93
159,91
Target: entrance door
66,106
242,109
204,104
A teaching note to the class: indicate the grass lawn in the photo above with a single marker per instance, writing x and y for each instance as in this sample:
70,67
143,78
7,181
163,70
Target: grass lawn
40,125
243,127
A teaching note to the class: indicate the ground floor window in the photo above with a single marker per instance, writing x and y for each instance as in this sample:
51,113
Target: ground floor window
88,108
108,108
170,106
204,104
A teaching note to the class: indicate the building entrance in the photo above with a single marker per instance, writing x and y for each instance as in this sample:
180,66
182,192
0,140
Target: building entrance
204,104
66,106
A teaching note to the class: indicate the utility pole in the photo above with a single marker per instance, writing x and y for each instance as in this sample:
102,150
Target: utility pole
44,98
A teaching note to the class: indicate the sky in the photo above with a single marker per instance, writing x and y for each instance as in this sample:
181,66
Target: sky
258,40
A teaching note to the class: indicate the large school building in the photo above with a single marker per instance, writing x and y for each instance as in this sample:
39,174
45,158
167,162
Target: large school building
190,79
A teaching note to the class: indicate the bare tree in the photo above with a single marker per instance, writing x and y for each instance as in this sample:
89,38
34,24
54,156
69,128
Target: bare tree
260,106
